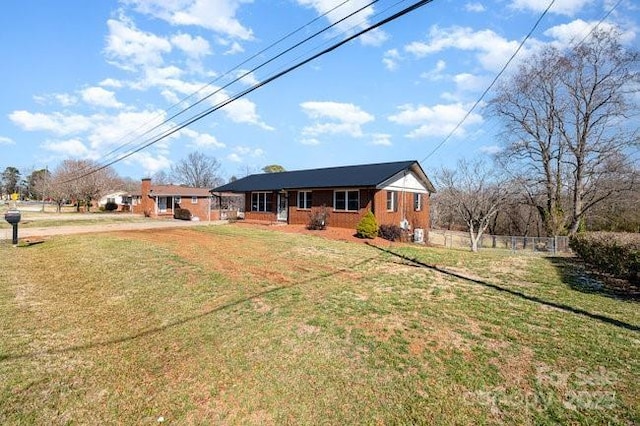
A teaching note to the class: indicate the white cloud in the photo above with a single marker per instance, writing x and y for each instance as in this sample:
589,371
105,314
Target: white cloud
474,7
249,79
244,111
438,120
201,140
561,7
493,50
310,141
575,31
235,158
374,37
110,130
466,82
436,73
391,59
148,162
127,46
245,150
111,82
343,118
57,123
381,139
240,152
101,131
357,22
68,148
234,49
194,47
490,149
215,15
63,99
6,141
100,97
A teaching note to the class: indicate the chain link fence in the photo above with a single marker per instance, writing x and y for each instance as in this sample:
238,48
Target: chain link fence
454,239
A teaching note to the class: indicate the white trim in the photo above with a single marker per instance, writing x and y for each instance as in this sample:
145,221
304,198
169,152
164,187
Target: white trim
194,199
346,200
394,200
307,200
417,208
264,196
404,181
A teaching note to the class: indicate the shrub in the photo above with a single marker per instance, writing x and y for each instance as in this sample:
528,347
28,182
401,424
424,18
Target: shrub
367,227
390,232
111,207
614,253
318,219
183,214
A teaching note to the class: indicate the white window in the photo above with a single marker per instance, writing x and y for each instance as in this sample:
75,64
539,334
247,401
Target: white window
417,201
392,201
261,202
304,200
346,200
194,200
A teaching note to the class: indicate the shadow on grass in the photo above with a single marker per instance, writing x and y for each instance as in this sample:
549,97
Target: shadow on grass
155,330
516,293
575,274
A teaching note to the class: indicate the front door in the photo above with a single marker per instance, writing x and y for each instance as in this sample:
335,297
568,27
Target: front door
162,204
283,207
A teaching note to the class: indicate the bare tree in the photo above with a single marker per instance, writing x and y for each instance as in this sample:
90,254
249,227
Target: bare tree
161,178
70,181
474,192
197,170
567,129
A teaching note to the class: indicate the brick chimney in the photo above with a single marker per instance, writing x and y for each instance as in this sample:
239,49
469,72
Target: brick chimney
146,202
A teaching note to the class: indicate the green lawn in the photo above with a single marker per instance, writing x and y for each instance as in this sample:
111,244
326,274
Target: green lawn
236,325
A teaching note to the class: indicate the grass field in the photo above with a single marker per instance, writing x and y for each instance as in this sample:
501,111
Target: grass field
33,219
237,325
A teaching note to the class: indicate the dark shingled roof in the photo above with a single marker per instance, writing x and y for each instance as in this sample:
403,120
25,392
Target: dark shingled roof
365,175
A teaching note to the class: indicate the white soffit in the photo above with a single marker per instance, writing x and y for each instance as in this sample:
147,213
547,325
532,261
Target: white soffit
404,182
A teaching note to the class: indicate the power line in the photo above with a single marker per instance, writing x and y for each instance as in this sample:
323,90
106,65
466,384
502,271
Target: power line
258,85
225,74
602,19
493,82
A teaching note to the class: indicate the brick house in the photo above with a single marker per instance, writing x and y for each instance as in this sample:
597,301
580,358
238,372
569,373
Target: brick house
397,193
162,200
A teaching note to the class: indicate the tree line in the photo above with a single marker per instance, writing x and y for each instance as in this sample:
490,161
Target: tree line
570,144
71,182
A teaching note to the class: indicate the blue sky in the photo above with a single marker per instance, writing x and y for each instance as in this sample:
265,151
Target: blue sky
83,79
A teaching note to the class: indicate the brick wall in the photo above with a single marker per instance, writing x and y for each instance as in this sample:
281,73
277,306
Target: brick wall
404,210
370,199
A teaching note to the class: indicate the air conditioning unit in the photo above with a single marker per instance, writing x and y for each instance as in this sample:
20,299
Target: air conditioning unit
418,235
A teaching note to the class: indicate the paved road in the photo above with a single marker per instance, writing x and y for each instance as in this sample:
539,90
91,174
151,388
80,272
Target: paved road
35,232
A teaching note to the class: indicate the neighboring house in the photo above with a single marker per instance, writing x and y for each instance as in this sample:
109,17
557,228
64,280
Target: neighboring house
121,198
397,193
162,200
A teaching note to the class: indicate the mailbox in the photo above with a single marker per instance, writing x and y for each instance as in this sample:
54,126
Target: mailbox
12,216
